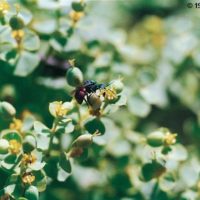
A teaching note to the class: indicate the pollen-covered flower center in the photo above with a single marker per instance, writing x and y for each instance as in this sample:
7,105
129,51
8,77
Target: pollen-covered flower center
60,110
76,16
18,35
4,7
28,177
108,93
170,139
14,146
28,159
16,125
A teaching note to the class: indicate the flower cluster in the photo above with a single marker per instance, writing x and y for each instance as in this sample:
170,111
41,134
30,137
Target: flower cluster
29,149
4,7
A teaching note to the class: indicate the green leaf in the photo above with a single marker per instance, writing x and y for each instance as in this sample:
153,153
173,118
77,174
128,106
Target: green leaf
94,125
26,64
12,135
10,159
39,175
10,162
51,168
64,162
7,190
17,190
40,180
32,193
29,143
12,54
41,185
13,179
152,170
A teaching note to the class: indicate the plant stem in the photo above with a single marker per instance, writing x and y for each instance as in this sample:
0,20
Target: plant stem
79,116
154,191
53,130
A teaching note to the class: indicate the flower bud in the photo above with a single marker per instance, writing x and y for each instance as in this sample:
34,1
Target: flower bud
78,6
94,101
32,193
83,141
4,146
155,139
7,111
74,76
8,92
118,85
16,23
75,152
29,143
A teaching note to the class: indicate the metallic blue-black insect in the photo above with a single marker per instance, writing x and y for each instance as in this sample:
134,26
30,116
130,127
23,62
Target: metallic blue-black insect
84,91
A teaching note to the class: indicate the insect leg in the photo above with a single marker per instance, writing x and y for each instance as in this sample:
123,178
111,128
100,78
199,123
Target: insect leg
86,100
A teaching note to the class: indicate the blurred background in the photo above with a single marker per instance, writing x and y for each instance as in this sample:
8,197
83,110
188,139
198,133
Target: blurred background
154,46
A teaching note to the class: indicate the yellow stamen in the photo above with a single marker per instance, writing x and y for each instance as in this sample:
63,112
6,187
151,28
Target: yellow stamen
28,178
28,159
26,113
60,110
72,62
76,16
14,146
170,139
18,35
17,7
16,125
109,93
4,7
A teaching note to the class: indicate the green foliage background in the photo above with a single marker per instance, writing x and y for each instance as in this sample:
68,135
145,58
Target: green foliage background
154,46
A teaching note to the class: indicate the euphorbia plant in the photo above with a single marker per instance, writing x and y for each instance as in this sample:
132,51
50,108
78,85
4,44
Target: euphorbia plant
31,152
82,148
